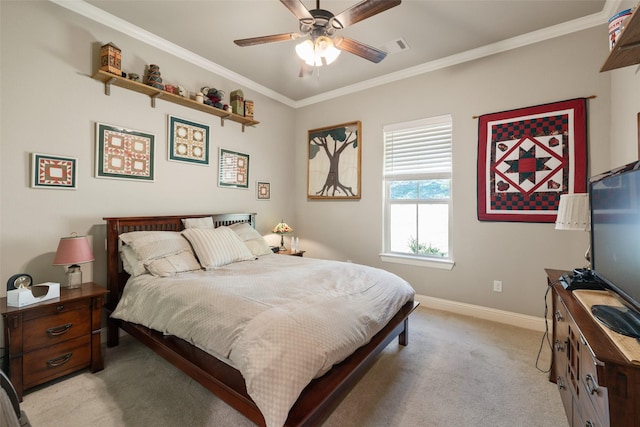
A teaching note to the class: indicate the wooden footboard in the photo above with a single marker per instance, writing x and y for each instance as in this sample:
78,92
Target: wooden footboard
317,400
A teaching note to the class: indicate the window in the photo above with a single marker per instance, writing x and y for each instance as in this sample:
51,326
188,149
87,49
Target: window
417,189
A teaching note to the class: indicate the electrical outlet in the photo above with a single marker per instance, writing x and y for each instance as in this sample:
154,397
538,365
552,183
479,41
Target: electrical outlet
497,286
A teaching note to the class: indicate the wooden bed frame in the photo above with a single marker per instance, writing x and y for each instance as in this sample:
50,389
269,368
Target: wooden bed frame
317,400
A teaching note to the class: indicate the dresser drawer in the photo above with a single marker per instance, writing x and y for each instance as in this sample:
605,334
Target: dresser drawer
56,324
591,388
51,362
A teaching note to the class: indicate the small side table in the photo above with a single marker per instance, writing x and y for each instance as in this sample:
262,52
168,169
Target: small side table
53,338
291,253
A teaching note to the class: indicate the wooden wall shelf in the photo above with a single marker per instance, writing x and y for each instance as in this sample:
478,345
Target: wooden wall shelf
111,79
626,51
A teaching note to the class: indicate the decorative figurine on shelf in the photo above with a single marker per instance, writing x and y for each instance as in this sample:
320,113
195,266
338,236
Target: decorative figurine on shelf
213,96
111,59
153,77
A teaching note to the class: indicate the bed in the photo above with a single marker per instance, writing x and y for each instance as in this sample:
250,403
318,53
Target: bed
218,374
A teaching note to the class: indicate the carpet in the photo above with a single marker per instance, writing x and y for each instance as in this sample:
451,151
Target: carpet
456,371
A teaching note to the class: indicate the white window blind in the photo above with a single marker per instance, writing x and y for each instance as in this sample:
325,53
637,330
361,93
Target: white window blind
418,147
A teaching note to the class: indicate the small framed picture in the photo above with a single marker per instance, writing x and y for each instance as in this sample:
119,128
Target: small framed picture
124,153
234,169
263,190
57,172
188,141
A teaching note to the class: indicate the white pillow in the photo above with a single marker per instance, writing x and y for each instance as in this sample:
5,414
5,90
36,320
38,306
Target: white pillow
173,264
140,247
252,239
206,222
149,245
217,247
130,261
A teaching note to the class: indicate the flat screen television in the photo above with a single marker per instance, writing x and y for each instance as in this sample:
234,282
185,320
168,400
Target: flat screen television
615,244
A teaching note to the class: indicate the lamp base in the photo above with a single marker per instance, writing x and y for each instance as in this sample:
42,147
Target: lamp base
74,277
282,247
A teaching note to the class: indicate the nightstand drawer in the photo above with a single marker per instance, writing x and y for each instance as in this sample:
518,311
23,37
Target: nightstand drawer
62,322
51,362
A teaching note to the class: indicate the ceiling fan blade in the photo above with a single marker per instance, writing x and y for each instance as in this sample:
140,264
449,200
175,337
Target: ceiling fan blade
360,49
267,39
298,9
363,10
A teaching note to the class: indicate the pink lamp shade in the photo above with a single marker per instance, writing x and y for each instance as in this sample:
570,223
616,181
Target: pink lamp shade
73,250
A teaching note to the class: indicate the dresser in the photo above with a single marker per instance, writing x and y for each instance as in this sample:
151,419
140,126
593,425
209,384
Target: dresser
54,338
599,385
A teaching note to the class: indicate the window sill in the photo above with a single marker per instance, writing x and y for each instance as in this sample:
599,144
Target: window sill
443,264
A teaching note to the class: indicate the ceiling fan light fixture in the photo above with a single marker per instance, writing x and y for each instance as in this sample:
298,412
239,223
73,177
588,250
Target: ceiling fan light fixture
322,52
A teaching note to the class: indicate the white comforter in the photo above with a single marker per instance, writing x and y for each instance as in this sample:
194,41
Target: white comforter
280,320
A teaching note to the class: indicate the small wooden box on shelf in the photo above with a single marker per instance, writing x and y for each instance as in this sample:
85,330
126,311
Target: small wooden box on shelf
53,338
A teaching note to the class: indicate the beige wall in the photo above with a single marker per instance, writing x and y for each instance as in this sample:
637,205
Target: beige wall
50,105
515,253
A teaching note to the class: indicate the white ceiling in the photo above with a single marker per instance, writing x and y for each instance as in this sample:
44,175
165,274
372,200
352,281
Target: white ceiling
439,33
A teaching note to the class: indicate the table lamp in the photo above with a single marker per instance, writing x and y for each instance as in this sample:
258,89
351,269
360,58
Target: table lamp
72,251
574,215
282,228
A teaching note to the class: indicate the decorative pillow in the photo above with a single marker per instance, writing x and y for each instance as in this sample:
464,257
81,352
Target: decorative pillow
173,264
216,247
252,239
206,222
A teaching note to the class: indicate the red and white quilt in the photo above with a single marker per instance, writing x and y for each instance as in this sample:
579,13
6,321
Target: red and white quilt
528,157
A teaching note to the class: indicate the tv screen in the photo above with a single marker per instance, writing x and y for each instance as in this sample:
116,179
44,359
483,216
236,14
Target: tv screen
615,230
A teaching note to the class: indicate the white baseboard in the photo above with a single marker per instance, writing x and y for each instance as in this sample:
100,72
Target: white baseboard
495,315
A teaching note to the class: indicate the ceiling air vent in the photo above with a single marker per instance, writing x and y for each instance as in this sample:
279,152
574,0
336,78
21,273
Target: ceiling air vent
395,46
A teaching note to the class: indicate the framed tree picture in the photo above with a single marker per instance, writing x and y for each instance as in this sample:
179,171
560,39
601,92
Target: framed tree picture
233,169
124,153
188,141
333,162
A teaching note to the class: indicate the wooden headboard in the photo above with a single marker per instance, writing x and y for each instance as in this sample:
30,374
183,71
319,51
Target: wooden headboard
116,276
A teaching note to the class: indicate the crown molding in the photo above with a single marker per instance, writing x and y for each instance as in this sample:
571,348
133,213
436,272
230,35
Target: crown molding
470,55
96,14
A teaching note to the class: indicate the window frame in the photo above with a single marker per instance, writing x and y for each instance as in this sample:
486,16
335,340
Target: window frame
387,255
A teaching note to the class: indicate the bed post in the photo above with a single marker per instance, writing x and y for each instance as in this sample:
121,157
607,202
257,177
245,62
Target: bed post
112,281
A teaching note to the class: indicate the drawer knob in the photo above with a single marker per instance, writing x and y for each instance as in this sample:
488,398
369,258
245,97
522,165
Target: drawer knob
60,307
59,330
560,384
592,385
59,361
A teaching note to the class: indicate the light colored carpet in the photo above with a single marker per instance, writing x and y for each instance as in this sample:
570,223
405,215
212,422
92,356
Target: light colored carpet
456,371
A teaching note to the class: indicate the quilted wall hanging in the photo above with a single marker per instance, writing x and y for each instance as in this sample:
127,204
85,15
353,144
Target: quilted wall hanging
528,157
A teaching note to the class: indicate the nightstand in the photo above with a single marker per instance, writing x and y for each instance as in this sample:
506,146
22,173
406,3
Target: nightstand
54,338
291,253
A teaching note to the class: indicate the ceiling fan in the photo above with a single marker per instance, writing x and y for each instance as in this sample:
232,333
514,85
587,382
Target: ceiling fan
323,45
